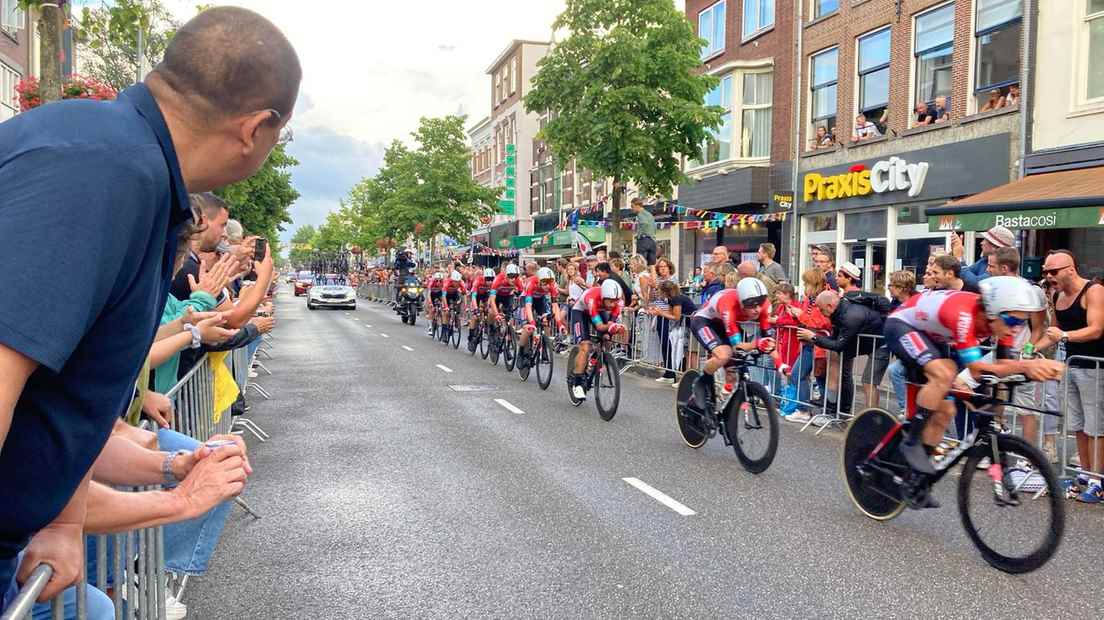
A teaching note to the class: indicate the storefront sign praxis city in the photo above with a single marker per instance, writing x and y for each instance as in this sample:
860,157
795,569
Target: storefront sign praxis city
891,175
1034,219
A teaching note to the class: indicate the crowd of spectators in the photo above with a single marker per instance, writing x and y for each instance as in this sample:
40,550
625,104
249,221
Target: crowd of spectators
146,278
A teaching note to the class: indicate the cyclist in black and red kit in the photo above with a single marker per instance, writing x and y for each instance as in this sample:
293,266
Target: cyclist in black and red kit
455,292
480,287
504,291
539,296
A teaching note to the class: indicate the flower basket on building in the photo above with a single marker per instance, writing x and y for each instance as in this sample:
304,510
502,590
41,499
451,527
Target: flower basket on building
74,87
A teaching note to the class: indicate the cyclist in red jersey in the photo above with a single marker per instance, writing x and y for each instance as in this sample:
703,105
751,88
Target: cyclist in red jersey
599,308
506,287
454,291
480,287
435,285
925,329
539,296
720,318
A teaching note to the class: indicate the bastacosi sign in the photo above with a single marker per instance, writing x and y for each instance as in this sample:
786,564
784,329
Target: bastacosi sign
1075,217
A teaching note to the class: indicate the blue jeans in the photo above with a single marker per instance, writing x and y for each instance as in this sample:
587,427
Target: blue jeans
897,378
190,544
99,605
801,371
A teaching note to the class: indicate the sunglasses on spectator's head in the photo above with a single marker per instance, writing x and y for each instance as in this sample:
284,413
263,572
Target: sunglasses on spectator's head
1011,321
1055,270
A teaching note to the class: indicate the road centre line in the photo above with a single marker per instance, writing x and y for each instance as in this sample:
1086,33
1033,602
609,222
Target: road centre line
444,368
384,335
508,406
408,348
660,496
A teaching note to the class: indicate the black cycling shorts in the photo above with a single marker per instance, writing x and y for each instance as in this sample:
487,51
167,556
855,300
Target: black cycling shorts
913,347
505,303
709,332
435,297
452,296
540,307
581,326
482,297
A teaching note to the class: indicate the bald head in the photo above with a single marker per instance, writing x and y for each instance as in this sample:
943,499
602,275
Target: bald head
228,61
747,269
827,302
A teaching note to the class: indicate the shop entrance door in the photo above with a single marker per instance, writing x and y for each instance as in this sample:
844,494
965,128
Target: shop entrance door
869,255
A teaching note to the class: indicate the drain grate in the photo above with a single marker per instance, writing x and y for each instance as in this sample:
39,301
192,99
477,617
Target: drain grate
475,387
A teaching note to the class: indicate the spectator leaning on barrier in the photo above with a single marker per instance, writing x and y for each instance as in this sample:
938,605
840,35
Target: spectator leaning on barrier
849,321
208,115
813,360
1079,310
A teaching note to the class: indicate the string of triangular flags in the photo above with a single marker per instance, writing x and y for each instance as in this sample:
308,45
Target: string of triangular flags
710,220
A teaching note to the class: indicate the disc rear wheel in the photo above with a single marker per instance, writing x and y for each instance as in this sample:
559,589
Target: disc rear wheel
688,408
873,490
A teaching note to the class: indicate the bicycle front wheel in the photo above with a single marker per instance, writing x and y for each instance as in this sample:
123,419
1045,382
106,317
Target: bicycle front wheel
484,340
752,427
509,349
607,387
543,359
456,331
1019,529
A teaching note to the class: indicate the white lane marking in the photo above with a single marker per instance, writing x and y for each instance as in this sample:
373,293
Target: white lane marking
507,406
660,496
385,335
444,368
368,326
408,348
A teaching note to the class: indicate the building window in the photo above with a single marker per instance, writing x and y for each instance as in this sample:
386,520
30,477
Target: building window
8,79
711,27
755,135
497,88
718,145
11,16
997,31
824,7
874,73
758,16
1094,21
825,74
513,77
933,47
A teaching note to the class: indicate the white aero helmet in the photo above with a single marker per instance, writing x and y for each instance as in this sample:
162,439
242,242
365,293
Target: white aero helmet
611,289
752,291
456,277
440,275
544,273
488,273
511,269
1009,294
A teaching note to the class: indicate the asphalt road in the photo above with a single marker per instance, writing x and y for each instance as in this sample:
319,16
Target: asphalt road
385,493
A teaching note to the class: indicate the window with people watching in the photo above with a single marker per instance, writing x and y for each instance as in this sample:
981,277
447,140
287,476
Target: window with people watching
997,31
824,70
933,51
873,74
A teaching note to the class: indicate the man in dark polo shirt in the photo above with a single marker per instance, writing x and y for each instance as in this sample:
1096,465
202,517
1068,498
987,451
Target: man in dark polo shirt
103,187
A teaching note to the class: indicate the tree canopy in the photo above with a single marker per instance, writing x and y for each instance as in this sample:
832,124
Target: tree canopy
108,39
623,92
261,202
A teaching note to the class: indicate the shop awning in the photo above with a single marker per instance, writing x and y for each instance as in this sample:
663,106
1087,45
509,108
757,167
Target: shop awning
1066,199
521,242
594,234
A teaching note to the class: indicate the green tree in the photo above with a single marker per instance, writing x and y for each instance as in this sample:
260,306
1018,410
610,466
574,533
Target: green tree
49,18
624,94
421,192
108,39
301,244
261,202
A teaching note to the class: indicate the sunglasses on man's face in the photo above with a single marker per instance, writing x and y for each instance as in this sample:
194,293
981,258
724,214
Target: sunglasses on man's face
1054,271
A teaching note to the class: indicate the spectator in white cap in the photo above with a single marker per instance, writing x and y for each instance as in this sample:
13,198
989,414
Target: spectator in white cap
849,277
995,237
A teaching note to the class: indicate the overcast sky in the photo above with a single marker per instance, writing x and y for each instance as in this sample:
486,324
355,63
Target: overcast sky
372,68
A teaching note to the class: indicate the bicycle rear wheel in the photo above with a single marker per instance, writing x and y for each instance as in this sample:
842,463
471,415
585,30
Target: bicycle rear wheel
607,386
527,354
875,494
543,359
509,349
485,332
753,432
474,336
495,337
1020,536
689,421
571,357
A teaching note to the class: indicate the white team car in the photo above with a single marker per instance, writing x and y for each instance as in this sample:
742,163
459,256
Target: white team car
331,296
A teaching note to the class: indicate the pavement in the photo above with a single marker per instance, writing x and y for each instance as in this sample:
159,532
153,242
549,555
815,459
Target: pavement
386,493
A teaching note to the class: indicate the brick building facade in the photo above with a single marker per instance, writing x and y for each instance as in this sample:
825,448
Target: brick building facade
880,56
750,47
14,55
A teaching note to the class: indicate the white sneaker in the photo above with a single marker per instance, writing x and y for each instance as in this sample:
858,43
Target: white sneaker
800,417
578,392
984,463
665,380
253,374
174,609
